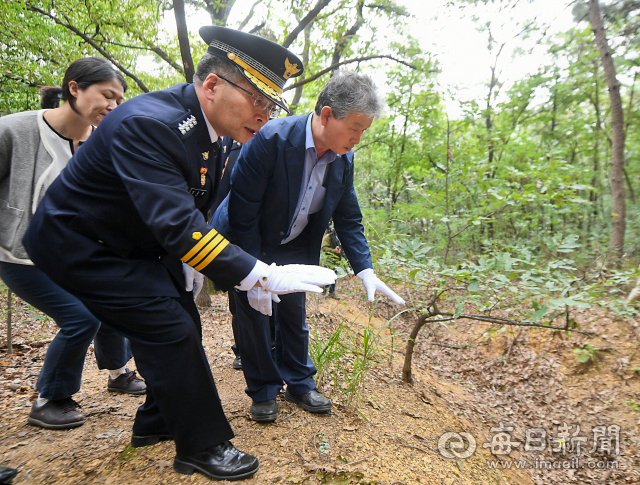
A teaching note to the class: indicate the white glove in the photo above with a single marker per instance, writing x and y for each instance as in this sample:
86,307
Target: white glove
635,293
309,271
198,283
260,300
372,283
193,279
293,278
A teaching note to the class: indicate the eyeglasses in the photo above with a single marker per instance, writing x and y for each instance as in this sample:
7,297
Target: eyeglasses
259,101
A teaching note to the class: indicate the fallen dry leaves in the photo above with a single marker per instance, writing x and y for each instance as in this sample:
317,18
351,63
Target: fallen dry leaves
467,389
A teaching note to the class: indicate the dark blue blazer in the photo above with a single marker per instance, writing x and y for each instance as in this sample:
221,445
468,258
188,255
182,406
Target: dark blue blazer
130,205
265,187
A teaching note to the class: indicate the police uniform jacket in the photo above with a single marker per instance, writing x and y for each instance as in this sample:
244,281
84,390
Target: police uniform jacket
265,187
130,204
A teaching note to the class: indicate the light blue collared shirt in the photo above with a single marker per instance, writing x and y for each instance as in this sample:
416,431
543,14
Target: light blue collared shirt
312,192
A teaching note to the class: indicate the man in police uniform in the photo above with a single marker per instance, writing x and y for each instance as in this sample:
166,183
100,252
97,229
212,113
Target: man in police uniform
115,226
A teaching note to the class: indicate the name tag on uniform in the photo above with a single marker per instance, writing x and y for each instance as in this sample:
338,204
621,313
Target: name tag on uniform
197,193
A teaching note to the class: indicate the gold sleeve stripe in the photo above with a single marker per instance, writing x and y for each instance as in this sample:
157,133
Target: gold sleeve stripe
213,255
206,250
199,246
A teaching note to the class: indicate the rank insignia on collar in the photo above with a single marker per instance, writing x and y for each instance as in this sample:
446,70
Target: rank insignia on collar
205,155
224,149
187,124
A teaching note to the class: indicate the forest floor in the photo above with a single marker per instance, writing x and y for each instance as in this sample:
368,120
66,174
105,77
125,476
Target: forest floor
499,395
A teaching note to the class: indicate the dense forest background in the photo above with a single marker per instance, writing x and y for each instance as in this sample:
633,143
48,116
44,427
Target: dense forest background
522,203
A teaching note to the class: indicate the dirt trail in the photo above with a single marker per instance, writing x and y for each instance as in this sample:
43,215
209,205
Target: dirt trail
397,445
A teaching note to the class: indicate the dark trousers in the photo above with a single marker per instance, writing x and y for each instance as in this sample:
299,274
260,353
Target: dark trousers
61,371
234,326
166,340
265,375
234,322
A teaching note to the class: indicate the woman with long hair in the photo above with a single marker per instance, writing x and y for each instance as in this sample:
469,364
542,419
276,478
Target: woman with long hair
35,146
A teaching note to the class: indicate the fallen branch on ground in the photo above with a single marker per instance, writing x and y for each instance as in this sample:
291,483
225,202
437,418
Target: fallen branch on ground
434,311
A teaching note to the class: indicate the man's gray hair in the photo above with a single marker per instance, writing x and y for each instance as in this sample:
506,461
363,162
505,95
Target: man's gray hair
217,65
350,92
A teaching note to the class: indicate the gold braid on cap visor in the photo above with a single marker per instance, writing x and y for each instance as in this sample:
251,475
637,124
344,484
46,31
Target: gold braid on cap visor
265,85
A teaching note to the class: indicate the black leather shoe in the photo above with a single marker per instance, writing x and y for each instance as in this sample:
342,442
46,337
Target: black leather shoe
58,414
237,363
128,383
264,411
222,462
7,474
313,401
138,441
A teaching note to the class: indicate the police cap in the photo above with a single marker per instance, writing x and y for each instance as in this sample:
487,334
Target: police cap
265,64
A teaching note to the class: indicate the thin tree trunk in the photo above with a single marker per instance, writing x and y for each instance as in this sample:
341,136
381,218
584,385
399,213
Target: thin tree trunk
555,108
313,13
593,193
489,124
408,355
333,67
248,17
219,10
305,60
348,35
9,341
183,39
446,197
617,130
89,40
398,173
204,298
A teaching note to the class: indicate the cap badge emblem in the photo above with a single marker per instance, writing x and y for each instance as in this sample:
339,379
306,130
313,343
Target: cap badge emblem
290,69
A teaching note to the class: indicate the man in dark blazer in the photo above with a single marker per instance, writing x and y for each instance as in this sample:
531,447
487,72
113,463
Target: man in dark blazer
230,152
288,182
127,215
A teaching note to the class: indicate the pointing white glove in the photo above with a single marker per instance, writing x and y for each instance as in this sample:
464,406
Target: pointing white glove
293,278
372,283
260,300
193,280
309,271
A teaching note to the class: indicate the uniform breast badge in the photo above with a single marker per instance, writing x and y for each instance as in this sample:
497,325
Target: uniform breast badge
205,155
203,172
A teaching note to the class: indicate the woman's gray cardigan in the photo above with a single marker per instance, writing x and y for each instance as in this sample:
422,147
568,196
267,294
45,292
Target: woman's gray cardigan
25,160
